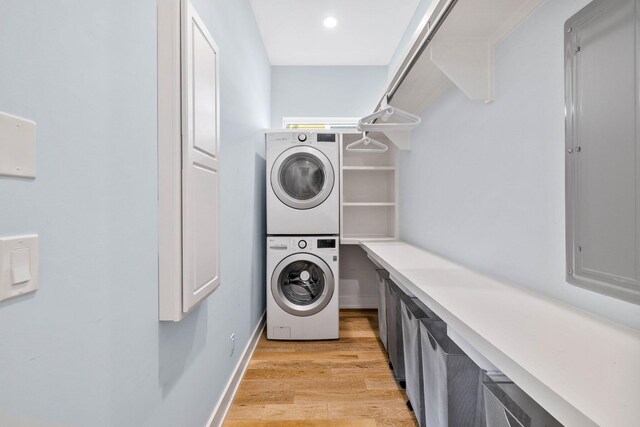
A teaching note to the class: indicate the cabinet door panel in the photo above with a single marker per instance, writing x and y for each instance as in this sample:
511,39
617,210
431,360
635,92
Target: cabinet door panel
201,272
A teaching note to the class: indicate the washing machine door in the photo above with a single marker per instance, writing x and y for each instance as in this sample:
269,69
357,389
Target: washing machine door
302,284
302,177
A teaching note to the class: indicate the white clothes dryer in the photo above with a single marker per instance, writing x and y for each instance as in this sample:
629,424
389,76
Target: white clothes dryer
303,191
302,288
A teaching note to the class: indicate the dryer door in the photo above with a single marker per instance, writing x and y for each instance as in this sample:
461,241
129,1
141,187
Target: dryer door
302,284
302,177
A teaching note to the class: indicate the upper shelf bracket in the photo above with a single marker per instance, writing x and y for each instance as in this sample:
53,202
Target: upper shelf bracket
469,65
400,138
455,43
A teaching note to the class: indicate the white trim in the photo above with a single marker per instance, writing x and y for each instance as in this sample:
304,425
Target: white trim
224,403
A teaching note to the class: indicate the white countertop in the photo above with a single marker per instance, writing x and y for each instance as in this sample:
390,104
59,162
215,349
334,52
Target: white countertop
583,369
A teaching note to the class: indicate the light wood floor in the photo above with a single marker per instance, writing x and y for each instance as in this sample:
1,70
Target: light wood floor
344,383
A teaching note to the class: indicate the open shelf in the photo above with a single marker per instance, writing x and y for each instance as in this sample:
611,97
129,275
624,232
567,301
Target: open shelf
367,204
368,186
368,193
354,160
369,168
368,221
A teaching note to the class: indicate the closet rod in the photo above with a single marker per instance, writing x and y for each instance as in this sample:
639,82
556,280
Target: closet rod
410,62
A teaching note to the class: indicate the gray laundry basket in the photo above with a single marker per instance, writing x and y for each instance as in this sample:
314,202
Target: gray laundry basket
383,275
506,405
412,310
452,381
394,331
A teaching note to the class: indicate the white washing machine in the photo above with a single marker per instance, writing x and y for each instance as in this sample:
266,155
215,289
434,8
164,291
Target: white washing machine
302,288
303,192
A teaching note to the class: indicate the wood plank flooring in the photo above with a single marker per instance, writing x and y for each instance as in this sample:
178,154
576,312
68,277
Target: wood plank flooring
343,383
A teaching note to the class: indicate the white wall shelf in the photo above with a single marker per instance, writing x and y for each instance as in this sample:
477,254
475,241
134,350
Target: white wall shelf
459,51
367,193
368,168
367,204
373,238
583,369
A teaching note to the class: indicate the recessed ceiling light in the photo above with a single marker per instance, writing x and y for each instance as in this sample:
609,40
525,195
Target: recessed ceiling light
330,22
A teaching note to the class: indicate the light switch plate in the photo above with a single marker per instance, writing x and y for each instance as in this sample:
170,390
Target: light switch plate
19,266
17,146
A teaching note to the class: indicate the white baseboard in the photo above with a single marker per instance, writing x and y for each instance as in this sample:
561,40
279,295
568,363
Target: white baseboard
222,407
358,301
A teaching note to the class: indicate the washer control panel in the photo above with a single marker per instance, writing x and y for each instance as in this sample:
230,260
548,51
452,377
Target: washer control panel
328,244
278,244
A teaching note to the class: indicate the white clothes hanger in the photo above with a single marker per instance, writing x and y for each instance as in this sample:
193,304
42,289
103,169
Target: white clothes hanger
388,118
365,142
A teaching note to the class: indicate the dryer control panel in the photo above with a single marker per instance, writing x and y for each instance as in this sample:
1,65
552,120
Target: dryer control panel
304,137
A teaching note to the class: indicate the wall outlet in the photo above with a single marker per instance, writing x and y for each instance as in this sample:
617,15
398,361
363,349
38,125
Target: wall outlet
232,344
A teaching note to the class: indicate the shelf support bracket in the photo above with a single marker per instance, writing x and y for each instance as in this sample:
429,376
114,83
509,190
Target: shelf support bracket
401,139
469,65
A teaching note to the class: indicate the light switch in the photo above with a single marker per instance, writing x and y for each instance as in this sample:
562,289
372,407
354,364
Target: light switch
19,269
17,146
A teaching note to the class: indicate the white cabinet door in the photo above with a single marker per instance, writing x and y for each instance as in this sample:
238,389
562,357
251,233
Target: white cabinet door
200,178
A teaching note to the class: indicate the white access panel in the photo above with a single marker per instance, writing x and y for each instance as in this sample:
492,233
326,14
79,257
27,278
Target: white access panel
188,146
602,156
17,146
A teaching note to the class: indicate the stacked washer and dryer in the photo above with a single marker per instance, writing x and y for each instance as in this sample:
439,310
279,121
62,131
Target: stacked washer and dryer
303,226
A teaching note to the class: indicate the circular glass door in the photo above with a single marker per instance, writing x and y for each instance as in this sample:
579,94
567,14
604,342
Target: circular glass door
302,284
302,177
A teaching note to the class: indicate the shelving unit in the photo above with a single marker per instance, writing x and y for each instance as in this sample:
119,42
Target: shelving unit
454,46
369,168
368,204
368,193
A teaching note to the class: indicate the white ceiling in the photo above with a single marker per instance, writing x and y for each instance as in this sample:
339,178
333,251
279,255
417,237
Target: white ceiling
367,33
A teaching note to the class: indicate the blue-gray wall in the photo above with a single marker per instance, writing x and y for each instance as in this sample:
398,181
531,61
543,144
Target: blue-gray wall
484,184
87,349
331,91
